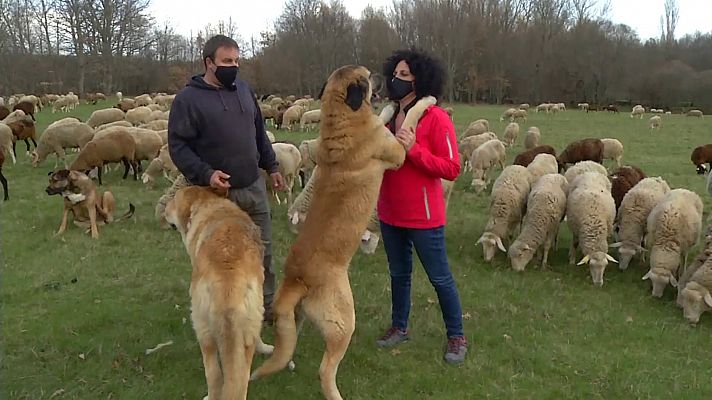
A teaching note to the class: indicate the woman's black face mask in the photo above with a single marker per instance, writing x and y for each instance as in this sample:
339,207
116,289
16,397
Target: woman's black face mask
399,88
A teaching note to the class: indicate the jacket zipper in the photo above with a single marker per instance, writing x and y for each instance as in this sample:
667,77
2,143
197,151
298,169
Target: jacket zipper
427,207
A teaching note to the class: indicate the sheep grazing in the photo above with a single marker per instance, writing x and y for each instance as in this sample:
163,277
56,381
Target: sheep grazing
510,133
638,111
3,180
613,109
590,212
139,115
63,104
526,157
508,114
292,116
7,142
622,180
113,124
57,138
546,205
126,105
581,168
290,160
543,107
67,120
583,106
143,100
507,203
673,227
581,150
695,113
612,150
696,297
483,159
524,106
531,140
701,155
633,215
519,115
113,147
23,130
105,116
161,165
476,128
27,107
542,164
655,123
469,144
309,119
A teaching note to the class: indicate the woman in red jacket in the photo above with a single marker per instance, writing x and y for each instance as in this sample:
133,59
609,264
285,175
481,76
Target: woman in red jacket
411,206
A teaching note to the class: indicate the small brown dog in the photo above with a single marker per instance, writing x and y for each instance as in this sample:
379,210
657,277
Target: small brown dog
82,199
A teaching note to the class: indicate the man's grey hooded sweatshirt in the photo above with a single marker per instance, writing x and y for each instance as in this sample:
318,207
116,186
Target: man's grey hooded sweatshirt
212,128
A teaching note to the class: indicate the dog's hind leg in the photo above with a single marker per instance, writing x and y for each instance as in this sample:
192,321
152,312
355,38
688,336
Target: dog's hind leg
289,294
332,310
211,364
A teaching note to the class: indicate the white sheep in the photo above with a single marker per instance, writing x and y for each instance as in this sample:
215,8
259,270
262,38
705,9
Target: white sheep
695,113
655,123
507,203
542,164
543,107
105,116
510,133
546,206
508,114
292,116
524,106
469,144
590,213
143,100
139,115
583,167
633,216
476,128
612,150
638,111
308,151
60,137
309,118
161,165
583,106
6,141
67,120
119,96
112,124
156,125
483,158
532,138
673,227
290,160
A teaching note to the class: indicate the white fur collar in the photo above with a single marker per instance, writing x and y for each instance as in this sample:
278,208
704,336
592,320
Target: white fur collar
413,115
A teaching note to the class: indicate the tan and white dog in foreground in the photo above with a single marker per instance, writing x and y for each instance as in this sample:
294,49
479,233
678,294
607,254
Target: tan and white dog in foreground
355,149
226,285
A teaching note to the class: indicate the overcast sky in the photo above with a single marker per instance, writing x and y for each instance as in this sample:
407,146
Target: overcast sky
259,15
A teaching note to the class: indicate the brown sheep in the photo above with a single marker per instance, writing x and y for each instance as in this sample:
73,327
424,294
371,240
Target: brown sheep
113,147
623,179
526,157
588,149
4,112
700,156
22,130
27,107
2,177
125,105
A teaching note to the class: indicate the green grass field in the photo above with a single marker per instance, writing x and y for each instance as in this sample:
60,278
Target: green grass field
78,314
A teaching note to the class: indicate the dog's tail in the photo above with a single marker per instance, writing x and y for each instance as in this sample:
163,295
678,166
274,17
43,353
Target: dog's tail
128,214
288,296
239,335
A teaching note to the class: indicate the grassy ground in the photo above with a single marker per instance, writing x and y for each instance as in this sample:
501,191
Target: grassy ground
78,314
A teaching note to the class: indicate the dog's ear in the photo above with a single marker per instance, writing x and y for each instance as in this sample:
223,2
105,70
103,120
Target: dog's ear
356,92
321,92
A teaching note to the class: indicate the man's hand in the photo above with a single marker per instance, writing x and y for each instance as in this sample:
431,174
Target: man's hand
219,179
406,137
278,181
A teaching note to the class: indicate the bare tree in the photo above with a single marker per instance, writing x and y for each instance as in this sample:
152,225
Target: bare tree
668,22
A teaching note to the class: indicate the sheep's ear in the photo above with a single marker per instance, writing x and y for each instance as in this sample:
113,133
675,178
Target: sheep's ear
615,245
708,299
583,261
356,92
610,258
647,276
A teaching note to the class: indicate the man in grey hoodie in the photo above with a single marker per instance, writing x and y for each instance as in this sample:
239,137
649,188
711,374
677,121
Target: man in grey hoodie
216,137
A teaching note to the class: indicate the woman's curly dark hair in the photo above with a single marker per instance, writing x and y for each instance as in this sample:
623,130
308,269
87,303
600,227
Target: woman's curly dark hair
428,71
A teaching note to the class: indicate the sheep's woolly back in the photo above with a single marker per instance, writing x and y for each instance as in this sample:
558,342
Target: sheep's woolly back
675,222
636,207
507,201
532,138
583,167
487,154
510,133
546,205
541,165
702,259
470,143
160,212
590,212
612,148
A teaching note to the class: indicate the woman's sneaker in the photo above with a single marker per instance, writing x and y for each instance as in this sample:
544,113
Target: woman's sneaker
456,350
392,337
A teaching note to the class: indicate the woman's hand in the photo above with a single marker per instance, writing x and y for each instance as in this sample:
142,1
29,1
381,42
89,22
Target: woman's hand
406,137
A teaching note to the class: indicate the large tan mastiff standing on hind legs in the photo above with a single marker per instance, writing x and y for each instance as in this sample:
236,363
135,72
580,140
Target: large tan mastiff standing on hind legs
354,151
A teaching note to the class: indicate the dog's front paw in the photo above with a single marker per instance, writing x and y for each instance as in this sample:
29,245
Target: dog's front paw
265,349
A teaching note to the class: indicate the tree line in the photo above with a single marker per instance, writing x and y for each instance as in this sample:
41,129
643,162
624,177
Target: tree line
495,51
